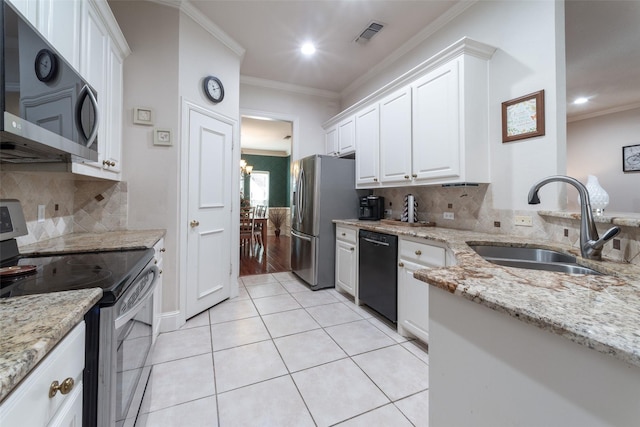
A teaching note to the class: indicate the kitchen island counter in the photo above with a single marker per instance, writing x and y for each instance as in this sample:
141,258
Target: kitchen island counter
87,242
599,312
32,325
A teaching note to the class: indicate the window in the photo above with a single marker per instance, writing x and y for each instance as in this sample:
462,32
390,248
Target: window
259,188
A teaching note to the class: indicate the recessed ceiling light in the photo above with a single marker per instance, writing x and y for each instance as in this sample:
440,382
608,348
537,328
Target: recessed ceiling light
308,49
581,100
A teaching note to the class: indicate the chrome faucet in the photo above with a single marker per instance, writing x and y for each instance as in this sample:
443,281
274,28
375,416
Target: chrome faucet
590,244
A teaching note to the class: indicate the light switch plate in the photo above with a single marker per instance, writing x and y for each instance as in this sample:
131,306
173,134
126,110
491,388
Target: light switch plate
448,215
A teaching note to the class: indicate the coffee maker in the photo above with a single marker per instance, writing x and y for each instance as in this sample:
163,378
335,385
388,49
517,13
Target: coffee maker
371,208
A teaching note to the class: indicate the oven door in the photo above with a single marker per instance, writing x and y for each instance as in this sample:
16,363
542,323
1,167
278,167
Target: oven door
124,354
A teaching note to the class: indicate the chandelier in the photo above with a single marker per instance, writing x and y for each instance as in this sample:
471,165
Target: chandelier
245,169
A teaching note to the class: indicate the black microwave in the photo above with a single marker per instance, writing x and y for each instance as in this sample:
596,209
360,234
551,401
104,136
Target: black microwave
49,112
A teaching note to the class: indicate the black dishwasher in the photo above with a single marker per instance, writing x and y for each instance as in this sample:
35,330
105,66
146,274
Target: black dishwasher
378,273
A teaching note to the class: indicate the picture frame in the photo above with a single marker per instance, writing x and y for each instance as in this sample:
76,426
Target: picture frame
523,117
143,116
162,137
631,158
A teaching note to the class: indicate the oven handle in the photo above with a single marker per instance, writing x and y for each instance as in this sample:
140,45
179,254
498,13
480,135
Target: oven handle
122,320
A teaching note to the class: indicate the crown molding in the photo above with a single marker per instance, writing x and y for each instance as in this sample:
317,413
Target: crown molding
603,112
412,43
303,90
208,25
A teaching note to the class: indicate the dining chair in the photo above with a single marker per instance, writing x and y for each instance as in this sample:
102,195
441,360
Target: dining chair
257,226
246,226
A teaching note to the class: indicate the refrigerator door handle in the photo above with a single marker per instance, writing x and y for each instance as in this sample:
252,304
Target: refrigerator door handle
299,236
301,195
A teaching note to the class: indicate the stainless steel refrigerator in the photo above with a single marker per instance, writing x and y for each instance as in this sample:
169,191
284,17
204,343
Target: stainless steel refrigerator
323,190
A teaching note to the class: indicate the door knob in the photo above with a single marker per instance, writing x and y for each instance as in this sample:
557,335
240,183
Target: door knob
194,223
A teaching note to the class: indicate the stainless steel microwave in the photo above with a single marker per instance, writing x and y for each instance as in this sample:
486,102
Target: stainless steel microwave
50,113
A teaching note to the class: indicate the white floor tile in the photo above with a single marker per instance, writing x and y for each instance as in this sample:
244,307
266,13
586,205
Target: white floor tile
289,322
270,289
242,294
274,402
308,349
201,412
182,343
248,364
309,299
341,295
386,416
198,320
232,310
275,304
337,391
179,381
395,370
258,279
296,286
238,332
358,337
416,408
388,328
362,310
285,276
418,348
333,314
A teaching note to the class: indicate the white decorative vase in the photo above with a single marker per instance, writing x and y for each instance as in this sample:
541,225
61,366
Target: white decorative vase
598,197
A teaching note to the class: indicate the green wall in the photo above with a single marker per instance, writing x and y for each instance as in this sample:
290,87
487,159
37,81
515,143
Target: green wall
278,168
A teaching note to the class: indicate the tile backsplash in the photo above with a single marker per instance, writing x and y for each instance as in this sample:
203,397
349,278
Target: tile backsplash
70,204
473,210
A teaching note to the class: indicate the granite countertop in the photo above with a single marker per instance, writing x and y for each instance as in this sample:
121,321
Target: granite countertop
615,218
601,312
87,242
32,325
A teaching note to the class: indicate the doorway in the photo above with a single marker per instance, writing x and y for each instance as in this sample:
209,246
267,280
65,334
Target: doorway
266,144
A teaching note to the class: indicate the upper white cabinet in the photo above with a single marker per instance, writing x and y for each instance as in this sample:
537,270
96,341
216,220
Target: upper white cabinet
368,146
103,50
431,125
395,138
340,140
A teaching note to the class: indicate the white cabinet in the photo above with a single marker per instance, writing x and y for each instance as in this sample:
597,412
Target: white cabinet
413,294
340,140
157,294
101,64
368,146
346,260
31,403
450,134
395,137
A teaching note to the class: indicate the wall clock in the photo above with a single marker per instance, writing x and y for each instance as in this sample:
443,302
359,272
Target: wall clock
46,65
213,89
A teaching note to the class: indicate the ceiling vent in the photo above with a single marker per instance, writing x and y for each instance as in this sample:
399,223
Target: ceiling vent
366,35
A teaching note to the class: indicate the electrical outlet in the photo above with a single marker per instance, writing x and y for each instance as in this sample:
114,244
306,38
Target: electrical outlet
448,215
388,213
41,213
523,220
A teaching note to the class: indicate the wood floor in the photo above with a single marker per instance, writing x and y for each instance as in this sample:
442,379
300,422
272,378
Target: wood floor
276,259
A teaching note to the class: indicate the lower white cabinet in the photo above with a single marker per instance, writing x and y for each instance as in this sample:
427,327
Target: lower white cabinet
157,294
34,403
413,294
346,260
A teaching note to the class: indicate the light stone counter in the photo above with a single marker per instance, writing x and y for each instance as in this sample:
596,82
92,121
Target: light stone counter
600,312
32,325
87,242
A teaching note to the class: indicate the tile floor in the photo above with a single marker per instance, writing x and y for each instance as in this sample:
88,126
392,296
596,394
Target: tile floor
282,355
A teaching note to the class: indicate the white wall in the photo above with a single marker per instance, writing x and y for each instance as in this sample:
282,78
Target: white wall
168,63
528,59
309,112
594,147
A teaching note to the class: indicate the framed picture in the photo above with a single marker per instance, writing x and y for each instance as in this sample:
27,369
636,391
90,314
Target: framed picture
143,116
162,137
523,117
631,158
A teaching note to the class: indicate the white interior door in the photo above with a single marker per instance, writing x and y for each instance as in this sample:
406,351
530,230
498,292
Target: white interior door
209,212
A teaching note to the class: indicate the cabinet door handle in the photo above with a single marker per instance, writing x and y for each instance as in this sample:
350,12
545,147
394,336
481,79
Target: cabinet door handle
418,252
344,234
112,163
401,264
163,250
406,177
194,223
352,249
415,175
64,388
375,179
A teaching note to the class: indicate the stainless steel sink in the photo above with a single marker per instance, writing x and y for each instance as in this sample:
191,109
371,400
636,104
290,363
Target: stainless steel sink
532,258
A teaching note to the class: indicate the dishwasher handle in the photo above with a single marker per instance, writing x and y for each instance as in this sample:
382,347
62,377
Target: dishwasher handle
375,242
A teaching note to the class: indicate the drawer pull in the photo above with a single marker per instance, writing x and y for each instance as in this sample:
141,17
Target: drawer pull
418,252
64,388
401,264
344,234
163,250
414,175
375,179
160,272
155,261
352,249
406,177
